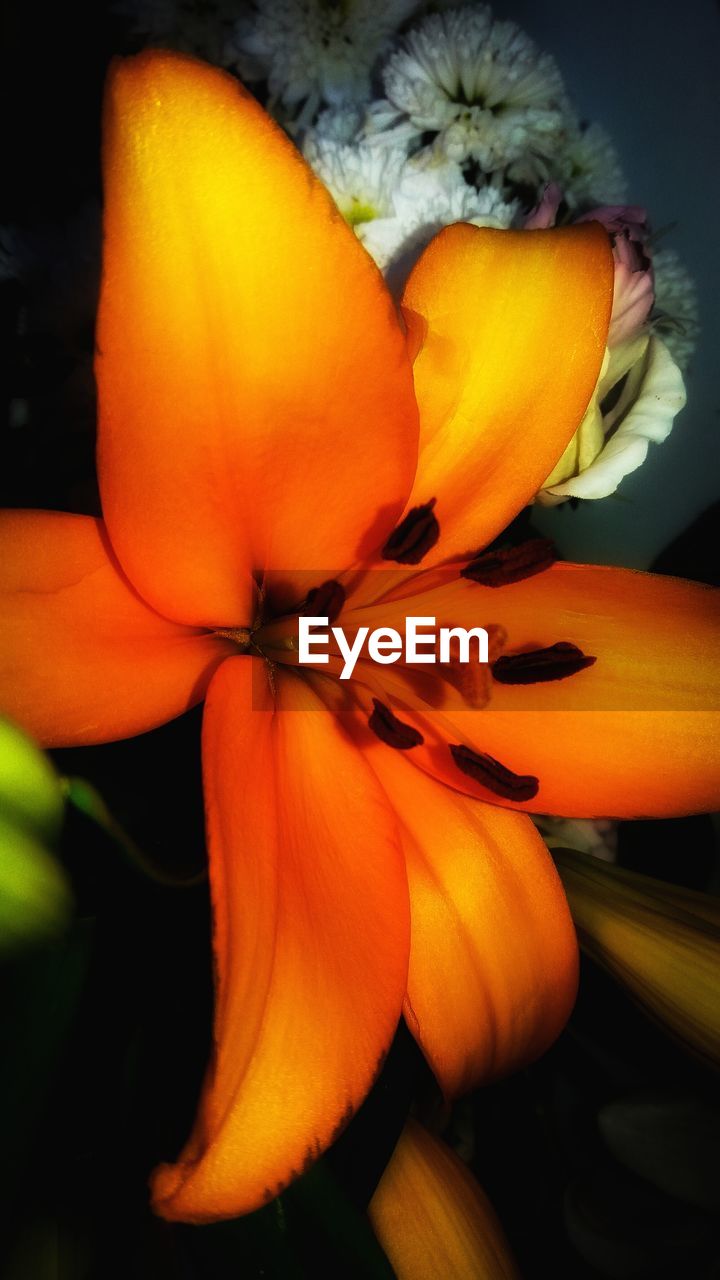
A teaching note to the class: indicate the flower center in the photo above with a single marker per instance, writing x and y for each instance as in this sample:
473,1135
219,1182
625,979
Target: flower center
394,697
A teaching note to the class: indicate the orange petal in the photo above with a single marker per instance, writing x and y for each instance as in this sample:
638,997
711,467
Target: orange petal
82,658
433,1219
255,395
516,329
636,734
493,958
311,942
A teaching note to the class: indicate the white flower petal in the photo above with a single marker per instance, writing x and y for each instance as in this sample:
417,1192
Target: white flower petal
649,418
395,204
480,85
315,52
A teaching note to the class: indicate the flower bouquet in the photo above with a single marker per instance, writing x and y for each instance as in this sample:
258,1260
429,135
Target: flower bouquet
371,306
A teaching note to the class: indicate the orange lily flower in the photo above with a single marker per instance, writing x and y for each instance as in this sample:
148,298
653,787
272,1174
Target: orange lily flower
260,416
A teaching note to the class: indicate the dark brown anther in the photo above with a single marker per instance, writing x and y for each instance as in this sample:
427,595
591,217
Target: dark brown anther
495,776
511,564
539,666
414,536
394,732
325,601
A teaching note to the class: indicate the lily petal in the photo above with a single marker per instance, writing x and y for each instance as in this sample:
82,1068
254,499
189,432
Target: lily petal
596,764
493,957
311,942
636,734
82,658
516,324
251,366
433,1219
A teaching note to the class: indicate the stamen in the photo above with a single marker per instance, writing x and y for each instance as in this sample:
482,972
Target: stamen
499,568
414,536
241,636
538,666
471,679
495,776
390,730
325,601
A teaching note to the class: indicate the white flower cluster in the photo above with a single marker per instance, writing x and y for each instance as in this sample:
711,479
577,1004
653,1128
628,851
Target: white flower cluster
468,122
396,203
317,51
412,119
480,87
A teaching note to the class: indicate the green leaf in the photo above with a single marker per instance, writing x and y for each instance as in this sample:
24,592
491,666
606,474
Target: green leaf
35,898
30,790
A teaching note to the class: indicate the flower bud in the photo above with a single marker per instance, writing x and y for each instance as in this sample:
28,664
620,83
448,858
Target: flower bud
660,941
34,894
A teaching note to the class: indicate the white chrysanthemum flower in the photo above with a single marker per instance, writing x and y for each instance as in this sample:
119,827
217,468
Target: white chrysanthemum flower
339,124
590,169
396,205
639,393
481,85
361,180
425,202
675,316
315,51
384,125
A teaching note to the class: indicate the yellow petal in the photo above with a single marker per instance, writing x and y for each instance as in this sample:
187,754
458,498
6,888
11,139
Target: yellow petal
433,1219
515,330
256,405
662,942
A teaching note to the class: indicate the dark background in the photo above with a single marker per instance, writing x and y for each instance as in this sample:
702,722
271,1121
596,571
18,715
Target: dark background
108,1032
